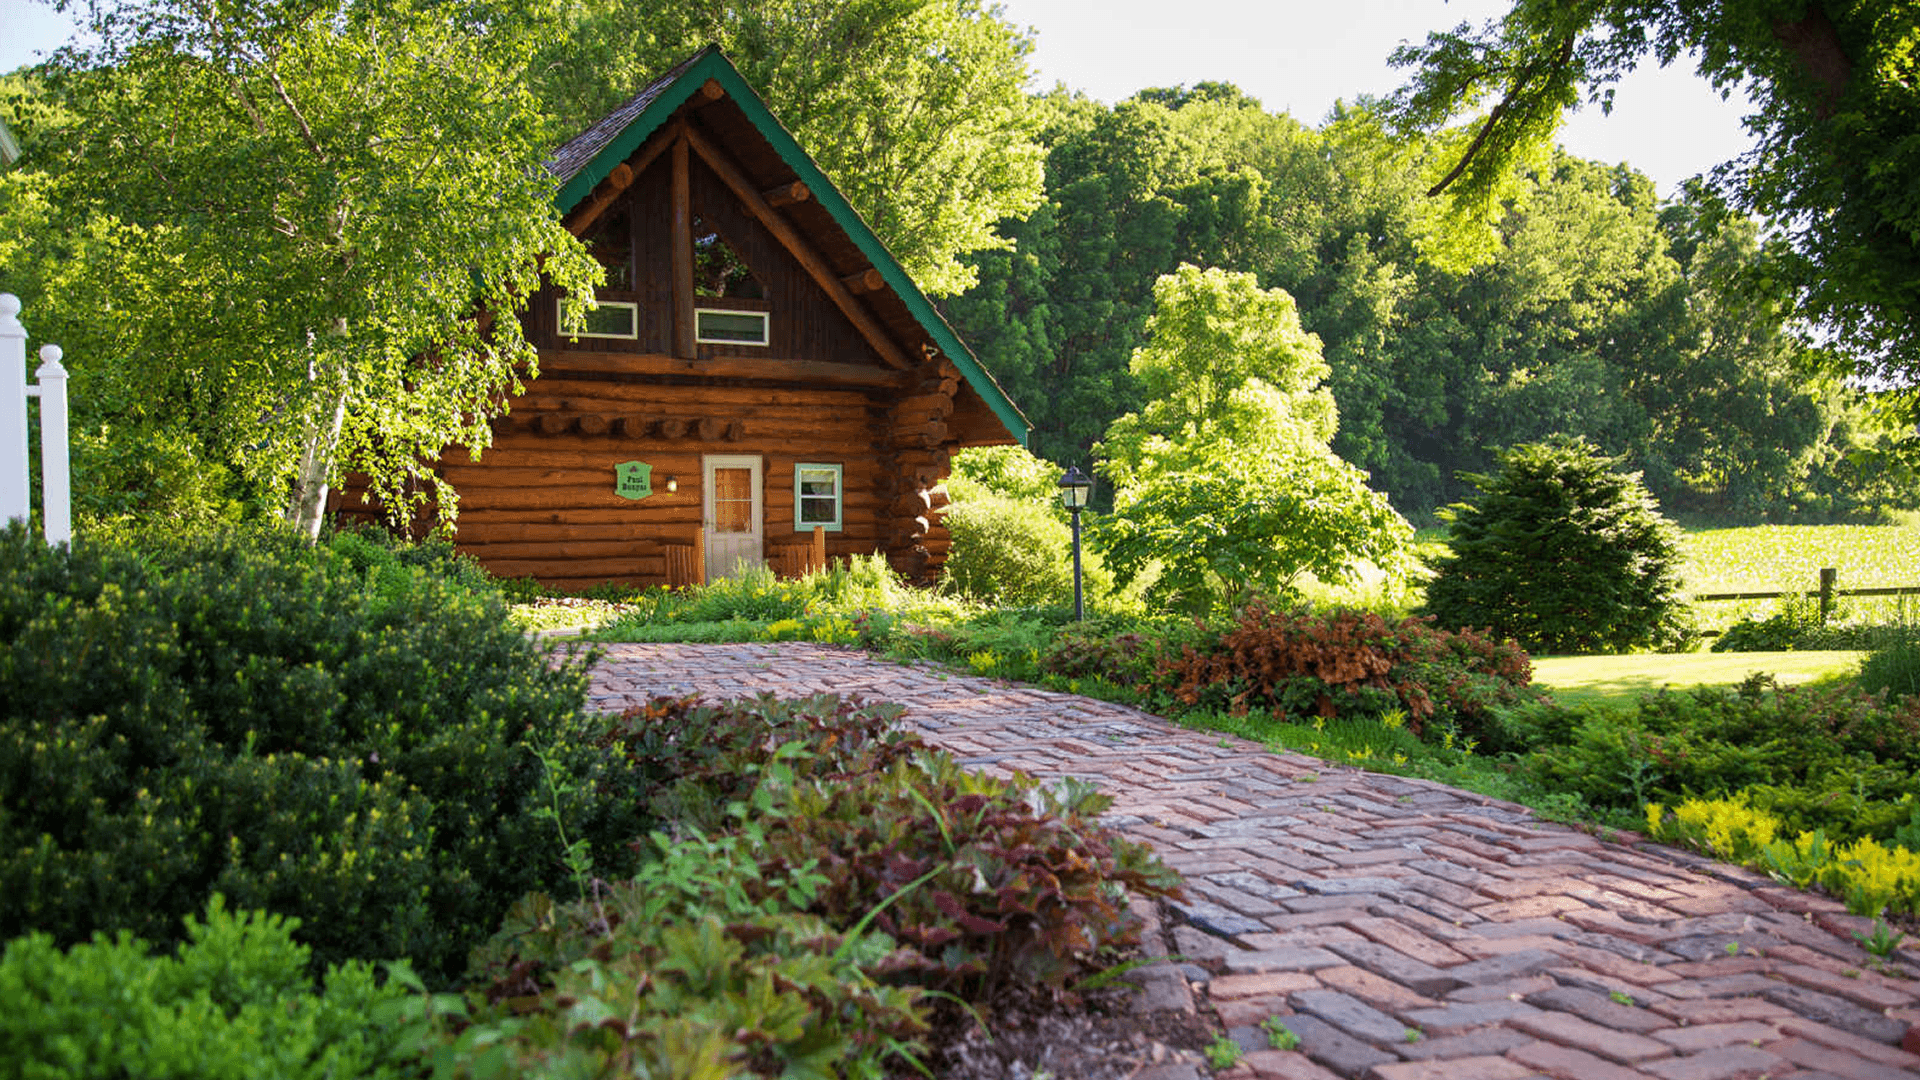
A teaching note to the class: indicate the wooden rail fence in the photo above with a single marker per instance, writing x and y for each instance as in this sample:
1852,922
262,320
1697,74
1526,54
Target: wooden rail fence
1829,588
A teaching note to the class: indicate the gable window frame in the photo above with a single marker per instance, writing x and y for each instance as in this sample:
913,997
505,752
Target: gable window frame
837,498
702,337
632,309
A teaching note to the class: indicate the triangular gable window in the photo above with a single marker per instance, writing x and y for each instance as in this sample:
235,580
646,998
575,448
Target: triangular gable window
718,270
611,242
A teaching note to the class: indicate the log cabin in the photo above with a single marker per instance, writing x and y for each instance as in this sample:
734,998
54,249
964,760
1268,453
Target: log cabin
760,382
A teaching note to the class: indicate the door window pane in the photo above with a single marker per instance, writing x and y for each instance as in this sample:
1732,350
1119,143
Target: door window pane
733,500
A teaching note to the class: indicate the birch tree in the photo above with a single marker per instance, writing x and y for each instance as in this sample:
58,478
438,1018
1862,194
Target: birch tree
308,225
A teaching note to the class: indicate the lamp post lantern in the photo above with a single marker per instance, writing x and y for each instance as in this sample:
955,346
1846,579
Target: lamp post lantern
1075,487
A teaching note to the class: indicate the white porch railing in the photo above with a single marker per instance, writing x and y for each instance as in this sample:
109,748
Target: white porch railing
16,504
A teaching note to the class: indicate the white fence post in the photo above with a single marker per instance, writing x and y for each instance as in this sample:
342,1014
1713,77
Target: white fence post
15,505
55,476
56,494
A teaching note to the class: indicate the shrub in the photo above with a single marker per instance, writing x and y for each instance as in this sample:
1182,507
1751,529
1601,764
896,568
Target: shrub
235,1001
1344,662
1893,667
700,966
1563,554
243,713
1839,759
1017,554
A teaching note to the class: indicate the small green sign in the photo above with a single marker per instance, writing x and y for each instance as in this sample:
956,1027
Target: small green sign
633,479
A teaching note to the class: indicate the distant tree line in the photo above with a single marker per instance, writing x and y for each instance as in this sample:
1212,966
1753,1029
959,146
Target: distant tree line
1586,306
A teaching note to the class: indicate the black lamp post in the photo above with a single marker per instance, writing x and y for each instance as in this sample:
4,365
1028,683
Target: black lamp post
1075,487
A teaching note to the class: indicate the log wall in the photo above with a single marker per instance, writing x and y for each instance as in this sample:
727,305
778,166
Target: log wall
541,502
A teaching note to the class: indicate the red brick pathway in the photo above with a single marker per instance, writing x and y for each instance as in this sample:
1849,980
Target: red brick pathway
1402,929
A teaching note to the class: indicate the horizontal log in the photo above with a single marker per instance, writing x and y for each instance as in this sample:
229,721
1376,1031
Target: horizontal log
787,194
824,372
471,514
573,496
563,549
575,453
593,424
864,281
550,392
911,504
646,566
466,532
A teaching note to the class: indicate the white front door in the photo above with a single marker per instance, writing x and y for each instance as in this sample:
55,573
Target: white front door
732,513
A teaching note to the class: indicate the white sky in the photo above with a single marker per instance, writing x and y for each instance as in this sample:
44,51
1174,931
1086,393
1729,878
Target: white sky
1295,56
1299,56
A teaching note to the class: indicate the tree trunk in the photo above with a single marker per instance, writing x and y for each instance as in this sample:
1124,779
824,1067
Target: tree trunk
307,503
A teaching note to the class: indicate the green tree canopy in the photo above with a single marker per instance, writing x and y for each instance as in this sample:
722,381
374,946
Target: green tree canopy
290,237
1837,96
1225,479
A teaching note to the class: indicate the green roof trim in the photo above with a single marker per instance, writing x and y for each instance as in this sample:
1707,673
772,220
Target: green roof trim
711,63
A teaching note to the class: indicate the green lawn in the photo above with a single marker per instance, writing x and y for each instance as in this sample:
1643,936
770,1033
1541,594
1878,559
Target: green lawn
1581,680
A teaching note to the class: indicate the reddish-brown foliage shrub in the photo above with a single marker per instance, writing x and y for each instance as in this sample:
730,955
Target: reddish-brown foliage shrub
1344,662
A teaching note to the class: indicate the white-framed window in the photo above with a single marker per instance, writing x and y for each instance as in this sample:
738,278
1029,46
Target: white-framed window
727,326
611,319
819,495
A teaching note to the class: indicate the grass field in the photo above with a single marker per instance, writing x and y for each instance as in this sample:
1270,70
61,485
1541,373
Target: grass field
1620,680
1766,558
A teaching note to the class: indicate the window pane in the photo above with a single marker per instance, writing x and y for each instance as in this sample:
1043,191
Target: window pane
818,481
816,511
733,500
612,320
746,327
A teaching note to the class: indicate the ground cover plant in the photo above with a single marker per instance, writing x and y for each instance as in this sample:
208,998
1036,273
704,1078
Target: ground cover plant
824,870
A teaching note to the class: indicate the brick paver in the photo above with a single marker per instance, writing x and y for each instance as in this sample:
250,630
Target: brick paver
1359,907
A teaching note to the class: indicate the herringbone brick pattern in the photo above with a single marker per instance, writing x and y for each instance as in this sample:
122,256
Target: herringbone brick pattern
1399,928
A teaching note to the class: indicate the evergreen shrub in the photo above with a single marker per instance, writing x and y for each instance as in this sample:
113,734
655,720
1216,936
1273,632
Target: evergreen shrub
1563,554
247,713
235,1002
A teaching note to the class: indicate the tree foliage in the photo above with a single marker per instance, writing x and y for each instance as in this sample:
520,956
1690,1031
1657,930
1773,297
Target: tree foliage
1562,553
291,237
1582,304
1225,479
1837,104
